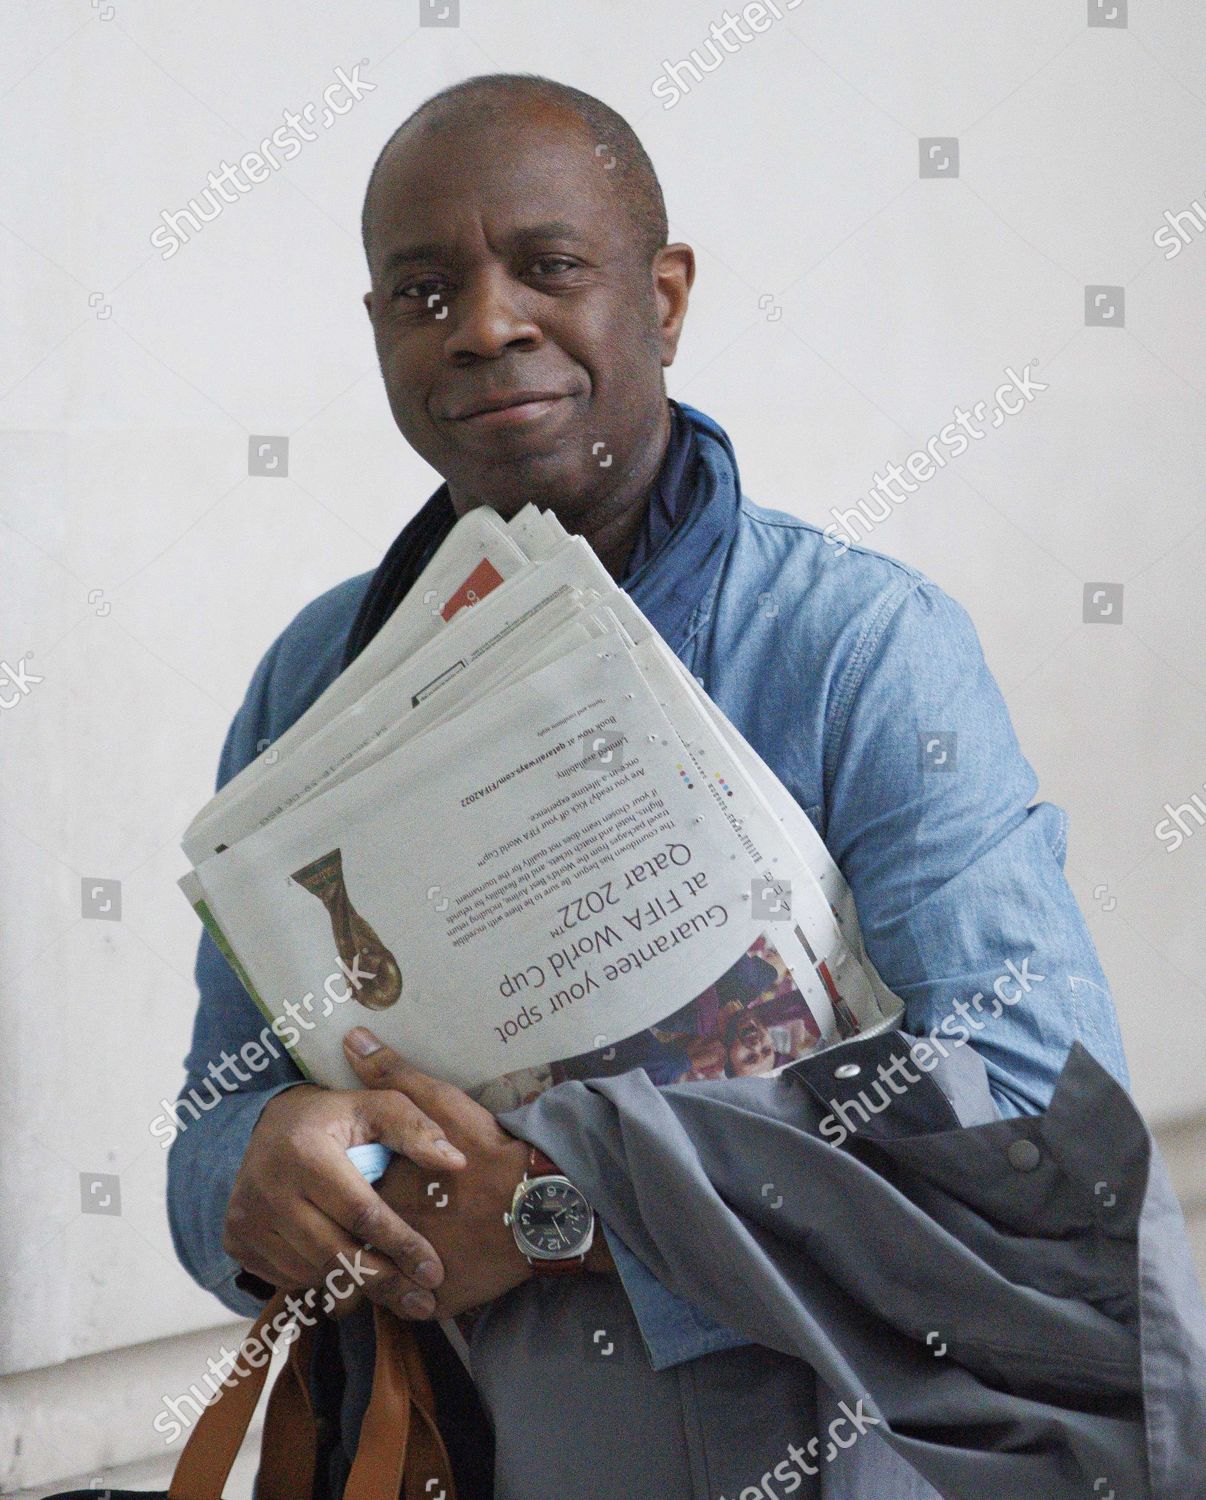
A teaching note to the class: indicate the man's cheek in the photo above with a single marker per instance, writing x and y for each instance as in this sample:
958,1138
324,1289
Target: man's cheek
414,405
417,425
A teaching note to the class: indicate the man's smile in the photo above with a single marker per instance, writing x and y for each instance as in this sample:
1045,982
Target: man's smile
521,422
508,409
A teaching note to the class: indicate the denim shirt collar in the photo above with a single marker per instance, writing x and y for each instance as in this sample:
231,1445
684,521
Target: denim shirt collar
676,583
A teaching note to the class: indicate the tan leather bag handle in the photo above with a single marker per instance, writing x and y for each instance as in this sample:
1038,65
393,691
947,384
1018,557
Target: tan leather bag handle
400,1455
289,1445
213,1445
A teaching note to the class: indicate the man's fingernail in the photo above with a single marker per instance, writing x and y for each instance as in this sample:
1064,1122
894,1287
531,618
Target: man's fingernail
428,1273
362,1041
447,1149
419,1304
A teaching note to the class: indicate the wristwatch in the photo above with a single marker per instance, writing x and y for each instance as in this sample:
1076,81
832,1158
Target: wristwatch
553,1224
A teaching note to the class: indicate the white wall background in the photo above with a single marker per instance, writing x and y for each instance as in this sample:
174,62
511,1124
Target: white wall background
843,308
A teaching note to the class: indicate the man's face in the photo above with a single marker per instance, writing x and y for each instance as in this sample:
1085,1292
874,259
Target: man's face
751,1049
506,274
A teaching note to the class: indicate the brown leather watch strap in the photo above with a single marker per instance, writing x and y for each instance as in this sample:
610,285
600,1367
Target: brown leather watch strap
540,1165
557,1267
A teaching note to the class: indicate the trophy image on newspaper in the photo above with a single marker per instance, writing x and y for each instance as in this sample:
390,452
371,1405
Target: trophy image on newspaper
354,938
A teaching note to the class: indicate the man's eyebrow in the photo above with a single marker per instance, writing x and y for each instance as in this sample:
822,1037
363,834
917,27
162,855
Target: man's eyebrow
553,229
409,254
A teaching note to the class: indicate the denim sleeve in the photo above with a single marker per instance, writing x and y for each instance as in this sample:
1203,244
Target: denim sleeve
228,1082
674,1330
957,878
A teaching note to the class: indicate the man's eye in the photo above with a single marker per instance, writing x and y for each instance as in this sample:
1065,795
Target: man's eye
550,265
420,291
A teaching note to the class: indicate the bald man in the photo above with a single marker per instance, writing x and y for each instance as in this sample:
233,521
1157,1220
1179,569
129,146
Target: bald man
525,302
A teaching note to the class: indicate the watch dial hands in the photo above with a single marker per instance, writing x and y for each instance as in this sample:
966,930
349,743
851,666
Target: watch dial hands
552,1220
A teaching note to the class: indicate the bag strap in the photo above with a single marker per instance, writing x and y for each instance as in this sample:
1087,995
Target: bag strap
428,1467
400,1455
213,1445
289,1445
400,1452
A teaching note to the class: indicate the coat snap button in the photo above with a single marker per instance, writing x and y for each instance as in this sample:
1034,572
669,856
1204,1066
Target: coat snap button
1024,1155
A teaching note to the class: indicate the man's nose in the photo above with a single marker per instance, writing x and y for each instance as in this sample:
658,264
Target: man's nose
489,315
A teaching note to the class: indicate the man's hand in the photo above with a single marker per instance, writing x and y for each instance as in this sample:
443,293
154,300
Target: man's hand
460,1213
298,1202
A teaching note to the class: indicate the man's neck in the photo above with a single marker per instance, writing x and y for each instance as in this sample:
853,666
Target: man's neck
613,538
612,527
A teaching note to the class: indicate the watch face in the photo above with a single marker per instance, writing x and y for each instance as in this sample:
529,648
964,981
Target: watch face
552,1219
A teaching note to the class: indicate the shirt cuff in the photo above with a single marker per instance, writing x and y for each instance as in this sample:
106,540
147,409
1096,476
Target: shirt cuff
673,1330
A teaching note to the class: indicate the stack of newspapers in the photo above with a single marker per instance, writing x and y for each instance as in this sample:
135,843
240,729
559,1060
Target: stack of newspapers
517,840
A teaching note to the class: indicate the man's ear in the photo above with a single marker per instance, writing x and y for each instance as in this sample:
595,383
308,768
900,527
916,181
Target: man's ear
673,276
368,305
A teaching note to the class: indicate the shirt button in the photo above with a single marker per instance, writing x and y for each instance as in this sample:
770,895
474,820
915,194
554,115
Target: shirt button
847,1070
1024,1155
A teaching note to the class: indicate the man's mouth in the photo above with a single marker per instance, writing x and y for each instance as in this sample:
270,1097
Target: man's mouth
508,408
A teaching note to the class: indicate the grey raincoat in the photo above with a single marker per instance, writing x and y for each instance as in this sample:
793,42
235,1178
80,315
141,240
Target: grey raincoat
993,1308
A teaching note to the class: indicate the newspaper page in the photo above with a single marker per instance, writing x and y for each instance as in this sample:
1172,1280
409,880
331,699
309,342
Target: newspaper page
475,558
500,906
819,985
438,667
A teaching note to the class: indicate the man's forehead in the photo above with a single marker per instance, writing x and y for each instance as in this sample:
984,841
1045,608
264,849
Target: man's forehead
516,156
509,208
536,155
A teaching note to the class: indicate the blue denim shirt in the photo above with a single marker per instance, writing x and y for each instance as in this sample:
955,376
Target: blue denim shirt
863,686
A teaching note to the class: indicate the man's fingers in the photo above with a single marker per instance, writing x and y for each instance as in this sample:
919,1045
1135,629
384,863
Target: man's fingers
396,1121
380,1067
338,1191
250,1238
292,1269
327,1249
345,1268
